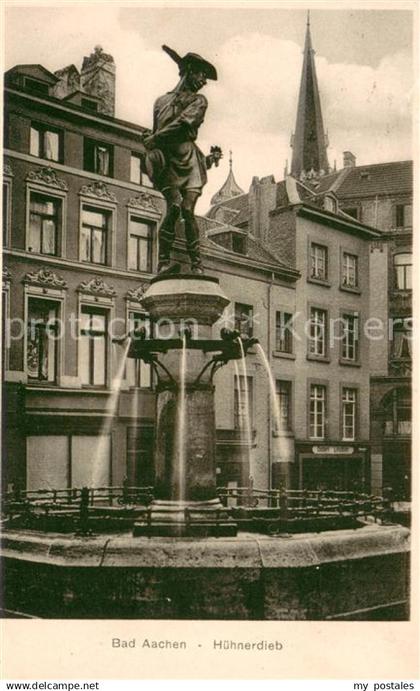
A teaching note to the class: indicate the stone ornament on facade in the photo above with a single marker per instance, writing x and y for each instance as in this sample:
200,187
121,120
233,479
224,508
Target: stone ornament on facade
376,245
136,294
98,190
45,278
7,276
401,368
97,286
47,176
7,169
143,201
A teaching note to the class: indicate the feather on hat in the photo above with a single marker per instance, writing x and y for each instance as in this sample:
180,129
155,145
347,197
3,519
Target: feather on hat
192,60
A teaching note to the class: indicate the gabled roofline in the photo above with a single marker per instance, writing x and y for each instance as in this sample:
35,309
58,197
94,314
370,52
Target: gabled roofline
224,254
338,222
73,109
41,67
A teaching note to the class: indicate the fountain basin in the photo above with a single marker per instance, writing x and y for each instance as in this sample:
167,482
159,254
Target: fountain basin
342,575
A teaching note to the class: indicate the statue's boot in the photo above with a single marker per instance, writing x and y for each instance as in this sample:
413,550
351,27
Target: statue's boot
167,237
192,236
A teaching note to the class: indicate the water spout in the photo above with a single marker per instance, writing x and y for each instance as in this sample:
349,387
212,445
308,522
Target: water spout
248,430
181,430
275,405
102,449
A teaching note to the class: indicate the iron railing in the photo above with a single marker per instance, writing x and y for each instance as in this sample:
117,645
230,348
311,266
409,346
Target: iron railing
269,510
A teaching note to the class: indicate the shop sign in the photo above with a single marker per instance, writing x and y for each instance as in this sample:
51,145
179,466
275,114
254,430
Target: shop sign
333,450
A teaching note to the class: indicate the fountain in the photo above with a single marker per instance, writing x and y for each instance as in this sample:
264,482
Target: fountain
151,552
186,500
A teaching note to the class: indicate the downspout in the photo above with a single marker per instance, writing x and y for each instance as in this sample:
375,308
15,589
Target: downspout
269,356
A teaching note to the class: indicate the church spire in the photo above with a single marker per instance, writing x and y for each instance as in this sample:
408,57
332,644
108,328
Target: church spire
230,187
309,142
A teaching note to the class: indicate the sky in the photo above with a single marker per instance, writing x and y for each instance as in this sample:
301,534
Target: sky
363,59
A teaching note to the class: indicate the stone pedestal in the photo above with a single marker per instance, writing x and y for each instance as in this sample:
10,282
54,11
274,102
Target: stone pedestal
185,467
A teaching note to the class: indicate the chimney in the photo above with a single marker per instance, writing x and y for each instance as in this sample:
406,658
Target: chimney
262,199
98,79
349,159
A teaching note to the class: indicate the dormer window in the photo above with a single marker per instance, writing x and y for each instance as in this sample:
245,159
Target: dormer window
330,203
364,175
36,86
238,243
89,104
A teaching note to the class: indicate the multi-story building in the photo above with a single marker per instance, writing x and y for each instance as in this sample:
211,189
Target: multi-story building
319,353
79,250
79,237
379,196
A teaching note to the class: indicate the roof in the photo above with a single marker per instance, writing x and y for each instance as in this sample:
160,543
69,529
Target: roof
69,106
309,142
390,178
238,204
36,71
229,189
295,193
255,248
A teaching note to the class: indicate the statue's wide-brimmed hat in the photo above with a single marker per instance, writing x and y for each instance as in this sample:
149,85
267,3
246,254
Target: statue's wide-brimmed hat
192,60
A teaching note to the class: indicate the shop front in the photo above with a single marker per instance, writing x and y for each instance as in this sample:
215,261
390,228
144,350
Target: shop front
336,467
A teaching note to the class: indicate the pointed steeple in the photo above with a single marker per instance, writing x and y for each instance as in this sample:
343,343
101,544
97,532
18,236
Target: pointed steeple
229,189
309,141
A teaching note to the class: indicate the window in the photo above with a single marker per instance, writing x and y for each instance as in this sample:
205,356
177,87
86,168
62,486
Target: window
402,338
94,234
45,142
319,262
44,218
349,402
41,345
139,373
238,243
58,461
36,87
136,174
284,333
243,403
403,215
349,271
397,412
5,335
317,412
5,213
352,211
318,334
283,389
244,319
403,270
350,336
93,347
89,104
98,157
139,245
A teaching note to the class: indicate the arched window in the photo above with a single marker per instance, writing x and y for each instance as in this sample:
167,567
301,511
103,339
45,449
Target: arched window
402,266
397,412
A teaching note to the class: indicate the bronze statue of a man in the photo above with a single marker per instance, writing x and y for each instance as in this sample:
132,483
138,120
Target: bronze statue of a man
173,161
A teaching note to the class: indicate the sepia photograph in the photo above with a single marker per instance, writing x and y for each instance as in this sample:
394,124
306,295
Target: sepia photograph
207,314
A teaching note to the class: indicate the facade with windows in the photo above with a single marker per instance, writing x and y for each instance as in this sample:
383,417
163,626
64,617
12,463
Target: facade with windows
79,244
79,249
79,236
381,195
318,353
